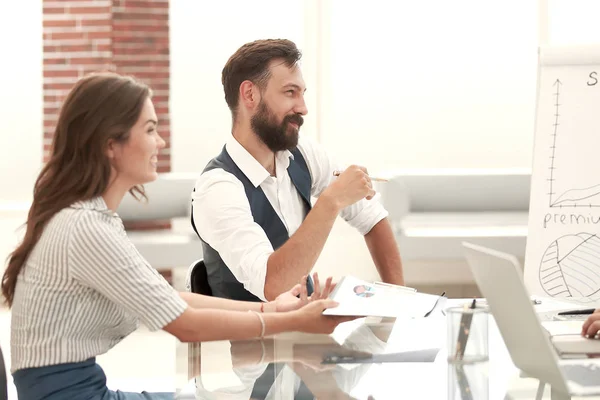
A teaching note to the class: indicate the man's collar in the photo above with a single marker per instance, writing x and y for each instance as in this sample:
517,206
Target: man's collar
253,170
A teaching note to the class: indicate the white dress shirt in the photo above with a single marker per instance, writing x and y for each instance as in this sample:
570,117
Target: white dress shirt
224,220
83,288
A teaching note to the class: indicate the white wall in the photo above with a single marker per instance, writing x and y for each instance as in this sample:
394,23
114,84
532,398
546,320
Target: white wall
21,112
203,37
573,22
433,84
21,115
440,84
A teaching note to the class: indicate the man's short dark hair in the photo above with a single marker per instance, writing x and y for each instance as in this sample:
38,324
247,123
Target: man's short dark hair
251,62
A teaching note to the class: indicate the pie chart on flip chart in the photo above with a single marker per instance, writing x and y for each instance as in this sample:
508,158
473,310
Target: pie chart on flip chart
570,267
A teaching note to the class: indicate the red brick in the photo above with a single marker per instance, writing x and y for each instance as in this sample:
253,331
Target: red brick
75,48
129,28
90,10
49,123
50,110
162,16
84,60
65,73
161,110
146,68
145,4
145,35
54,10
67,23
103,47
58,86
160,99
53,99
122,37
162,65
135,44
141,50
96,22
55,61
57,67
65,35
88,69
98,35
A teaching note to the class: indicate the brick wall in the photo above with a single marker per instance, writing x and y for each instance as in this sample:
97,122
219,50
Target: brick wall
127,36
130,37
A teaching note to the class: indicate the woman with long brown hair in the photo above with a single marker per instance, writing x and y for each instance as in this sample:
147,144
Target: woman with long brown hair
76,284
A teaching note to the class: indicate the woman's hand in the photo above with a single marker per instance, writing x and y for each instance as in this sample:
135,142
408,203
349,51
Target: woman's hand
310,318
297,297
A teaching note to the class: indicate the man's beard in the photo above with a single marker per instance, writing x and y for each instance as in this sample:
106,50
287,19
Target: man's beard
276,137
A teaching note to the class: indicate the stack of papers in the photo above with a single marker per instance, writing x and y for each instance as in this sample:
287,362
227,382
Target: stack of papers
575,344
566,338
362,299
555,328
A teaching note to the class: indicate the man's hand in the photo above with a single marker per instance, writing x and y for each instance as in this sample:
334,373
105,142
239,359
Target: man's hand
351,186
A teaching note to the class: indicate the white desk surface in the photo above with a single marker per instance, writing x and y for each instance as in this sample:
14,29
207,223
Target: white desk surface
496,379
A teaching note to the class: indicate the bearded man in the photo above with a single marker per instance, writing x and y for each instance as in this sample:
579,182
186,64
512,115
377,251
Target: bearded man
252,207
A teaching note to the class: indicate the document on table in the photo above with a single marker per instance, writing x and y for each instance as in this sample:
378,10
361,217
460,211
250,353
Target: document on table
362,298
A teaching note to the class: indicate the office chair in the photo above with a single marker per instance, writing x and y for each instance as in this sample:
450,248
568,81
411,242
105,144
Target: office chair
3,378
199,279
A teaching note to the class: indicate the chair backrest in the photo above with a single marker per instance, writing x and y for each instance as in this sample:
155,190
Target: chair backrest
199,279
3,378
170,196
459,190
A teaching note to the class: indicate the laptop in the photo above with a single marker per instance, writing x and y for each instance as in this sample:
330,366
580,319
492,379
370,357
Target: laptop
500,280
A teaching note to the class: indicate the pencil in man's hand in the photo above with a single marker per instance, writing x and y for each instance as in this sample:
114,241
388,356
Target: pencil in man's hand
373,178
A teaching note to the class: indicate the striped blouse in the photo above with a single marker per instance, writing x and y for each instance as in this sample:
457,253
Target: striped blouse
83,289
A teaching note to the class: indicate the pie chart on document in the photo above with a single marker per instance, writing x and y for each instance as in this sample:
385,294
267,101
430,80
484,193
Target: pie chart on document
364,291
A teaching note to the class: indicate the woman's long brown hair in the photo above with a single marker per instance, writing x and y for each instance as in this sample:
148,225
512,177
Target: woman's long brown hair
99,108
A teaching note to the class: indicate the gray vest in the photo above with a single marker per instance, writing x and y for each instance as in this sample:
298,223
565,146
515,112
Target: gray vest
221,280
